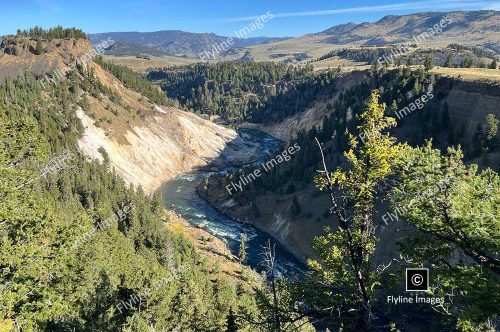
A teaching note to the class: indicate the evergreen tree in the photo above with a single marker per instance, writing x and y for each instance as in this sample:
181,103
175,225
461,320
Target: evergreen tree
491,129
39,47
478,141
493,65
409,61
428,63
231,322
345,254
61,269
455,212
398,62
242,251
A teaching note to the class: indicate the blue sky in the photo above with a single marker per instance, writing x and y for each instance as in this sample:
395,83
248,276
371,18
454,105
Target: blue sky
291,17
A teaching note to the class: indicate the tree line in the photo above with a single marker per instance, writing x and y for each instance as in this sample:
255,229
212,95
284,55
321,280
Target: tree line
244,91
51,279
450,206
52,33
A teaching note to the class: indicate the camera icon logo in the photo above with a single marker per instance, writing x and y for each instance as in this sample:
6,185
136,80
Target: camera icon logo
417,279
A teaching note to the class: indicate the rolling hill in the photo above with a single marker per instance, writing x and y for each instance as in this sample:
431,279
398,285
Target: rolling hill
472,28
171,42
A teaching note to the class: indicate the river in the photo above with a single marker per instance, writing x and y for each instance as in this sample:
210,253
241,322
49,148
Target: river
179,194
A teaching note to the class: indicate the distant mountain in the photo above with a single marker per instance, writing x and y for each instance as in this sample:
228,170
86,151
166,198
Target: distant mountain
125,48
171,42
479,26
476,28
470,28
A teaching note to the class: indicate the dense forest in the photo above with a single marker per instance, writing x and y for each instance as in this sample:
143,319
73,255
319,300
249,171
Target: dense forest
83,251
401,87
452,207
239,91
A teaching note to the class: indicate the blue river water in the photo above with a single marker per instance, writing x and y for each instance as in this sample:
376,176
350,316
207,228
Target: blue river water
179,194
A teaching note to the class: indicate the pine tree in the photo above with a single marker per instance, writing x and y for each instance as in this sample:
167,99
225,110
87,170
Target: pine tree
453,210
232,326
478,140
493,65
345,254
491,129
242,250
428,63
39,47
409,61
398,62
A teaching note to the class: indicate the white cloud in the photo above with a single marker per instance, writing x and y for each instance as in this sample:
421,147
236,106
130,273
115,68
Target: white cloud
423,5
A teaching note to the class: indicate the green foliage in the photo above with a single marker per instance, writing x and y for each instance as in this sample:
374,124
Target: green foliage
136,82
485,139
52,33
242,250
331,282
39,47
491,129
428,63
449,60
455,209
257,91
276,302
409,61
232,326
345,269
299,172
59,268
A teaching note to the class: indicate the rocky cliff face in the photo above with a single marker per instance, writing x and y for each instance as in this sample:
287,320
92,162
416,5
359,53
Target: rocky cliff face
313,116
166,143
18,55
469,102
146,144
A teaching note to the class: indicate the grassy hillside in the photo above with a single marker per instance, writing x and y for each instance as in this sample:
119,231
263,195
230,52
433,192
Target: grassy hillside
471,28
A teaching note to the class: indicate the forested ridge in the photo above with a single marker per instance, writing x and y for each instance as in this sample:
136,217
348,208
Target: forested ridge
262,92
451,207
80,249
399,89
52,33
135,82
